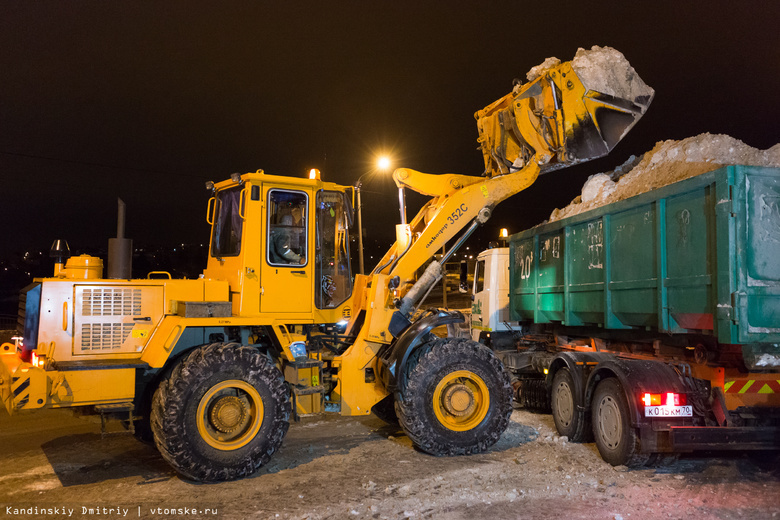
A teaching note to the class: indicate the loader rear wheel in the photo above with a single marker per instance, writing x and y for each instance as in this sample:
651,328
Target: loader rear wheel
221,414
569,419
616,440
456,398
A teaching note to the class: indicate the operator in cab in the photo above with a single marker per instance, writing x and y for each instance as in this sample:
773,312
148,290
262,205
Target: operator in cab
281,244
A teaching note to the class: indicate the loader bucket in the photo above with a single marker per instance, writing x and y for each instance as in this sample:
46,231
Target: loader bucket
568,113
615,98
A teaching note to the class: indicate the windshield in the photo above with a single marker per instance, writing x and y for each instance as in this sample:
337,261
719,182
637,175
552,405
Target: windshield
332,270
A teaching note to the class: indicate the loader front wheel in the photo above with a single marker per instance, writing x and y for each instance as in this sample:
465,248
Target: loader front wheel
221,414
456,398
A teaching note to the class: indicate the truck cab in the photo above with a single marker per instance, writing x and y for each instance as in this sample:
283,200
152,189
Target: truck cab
490,320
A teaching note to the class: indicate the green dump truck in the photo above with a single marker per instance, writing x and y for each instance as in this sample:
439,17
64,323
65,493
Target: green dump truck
651,325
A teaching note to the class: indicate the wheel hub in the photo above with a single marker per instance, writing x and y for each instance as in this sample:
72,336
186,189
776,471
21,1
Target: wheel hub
564,402
228,413
458,400
461,400
610,422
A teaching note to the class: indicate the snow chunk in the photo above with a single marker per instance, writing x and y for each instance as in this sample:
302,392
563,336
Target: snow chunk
768,360
543,67
606,70
597,187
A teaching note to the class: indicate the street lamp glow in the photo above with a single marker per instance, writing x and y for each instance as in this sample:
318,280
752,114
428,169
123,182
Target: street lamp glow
383,163
504,233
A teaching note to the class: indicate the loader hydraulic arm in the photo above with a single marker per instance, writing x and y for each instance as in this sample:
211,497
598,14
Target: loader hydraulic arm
459,202
568,113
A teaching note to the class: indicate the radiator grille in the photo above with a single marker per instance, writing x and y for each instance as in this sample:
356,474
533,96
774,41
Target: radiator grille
104,336
111,302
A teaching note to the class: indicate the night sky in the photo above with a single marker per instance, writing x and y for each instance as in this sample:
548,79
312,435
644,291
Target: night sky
148,100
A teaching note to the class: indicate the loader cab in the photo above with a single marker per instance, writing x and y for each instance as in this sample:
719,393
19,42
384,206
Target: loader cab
283,245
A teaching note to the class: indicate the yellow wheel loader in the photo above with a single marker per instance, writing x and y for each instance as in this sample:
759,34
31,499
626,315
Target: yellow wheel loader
212,369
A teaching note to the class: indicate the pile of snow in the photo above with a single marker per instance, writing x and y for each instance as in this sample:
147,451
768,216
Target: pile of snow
668,162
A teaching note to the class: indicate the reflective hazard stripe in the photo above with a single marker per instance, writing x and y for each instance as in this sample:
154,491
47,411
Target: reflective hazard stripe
21,390
752,386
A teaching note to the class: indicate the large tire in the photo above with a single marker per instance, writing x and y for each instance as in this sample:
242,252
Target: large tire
456,398
221,414
616,440
570,419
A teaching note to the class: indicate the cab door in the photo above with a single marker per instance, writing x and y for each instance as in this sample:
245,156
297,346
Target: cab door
286,280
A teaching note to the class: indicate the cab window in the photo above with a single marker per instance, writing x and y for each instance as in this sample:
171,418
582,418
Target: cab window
287,238
226,234
479,277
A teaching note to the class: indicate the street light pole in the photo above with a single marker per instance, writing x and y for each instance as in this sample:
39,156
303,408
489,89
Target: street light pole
382,164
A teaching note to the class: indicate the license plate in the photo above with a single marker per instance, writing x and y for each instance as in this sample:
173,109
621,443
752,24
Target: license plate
669,411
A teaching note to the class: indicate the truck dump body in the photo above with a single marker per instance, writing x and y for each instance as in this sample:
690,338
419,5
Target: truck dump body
698,256
660,318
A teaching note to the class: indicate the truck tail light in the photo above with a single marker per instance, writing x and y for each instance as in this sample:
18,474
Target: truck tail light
667,399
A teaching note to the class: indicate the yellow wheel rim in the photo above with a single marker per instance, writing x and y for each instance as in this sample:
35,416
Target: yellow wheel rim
461,400
230,415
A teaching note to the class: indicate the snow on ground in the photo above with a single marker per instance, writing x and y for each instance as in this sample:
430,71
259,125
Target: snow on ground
336,468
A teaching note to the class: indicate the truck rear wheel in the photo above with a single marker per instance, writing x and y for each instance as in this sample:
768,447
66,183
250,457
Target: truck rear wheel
616,440
221,414
455,399
569,419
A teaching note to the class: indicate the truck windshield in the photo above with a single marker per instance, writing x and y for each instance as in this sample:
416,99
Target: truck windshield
333,279
226,234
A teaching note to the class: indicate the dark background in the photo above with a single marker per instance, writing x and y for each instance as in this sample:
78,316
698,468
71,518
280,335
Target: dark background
148,100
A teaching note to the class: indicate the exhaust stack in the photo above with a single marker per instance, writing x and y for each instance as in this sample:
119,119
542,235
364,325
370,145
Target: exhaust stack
120,249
